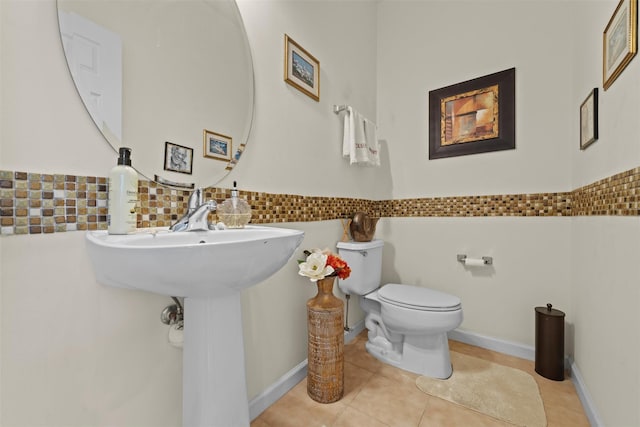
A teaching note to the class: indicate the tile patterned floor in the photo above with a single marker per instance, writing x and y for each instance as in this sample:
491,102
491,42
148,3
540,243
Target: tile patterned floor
378,395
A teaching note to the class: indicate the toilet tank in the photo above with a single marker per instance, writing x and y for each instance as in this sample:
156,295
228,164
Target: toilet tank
365,261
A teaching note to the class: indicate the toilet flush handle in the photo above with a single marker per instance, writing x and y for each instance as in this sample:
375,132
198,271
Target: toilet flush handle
363,253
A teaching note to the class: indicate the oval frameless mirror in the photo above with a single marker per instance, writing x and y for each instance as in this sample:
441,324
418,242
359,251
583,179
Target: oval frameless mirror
172,80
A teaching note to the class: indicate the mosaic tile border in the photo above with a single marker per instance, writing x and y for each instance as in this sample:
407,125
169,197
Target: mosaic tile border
541,204
33,203
617,195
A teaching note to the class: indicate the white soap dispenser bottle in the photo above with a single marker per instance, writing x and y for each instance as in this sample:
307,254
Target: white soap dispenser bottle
123,195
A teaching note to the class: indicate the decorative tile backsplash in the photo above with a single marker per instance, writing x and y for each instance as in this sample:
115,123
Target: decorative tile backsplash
541,204
33,203
616,195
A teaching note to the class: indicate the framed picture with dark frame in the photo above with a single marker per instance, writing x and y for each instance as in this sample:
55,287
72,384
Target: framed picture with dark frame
589,119
301,69
178,158
619,41
217,146
475,116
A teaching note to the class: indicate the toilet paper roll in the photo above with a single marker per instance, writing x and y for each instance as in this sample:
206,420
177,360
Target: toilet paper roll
176,334
474,262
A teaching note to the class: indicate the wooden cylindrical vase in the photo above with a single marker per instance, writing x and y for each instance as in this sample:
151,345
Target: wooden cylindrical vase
325,370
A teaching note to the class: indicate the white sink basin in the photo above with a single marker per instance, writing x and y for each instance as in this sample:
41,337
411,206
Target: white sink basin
194,263
209,269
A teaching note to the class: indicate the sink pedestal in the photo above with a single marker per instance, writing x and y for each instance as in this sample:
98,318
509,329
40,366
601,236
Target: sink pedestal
214,385
180,264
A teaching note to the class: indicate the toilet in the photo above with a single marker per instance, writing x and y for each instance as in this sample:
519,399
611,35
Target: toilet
407,324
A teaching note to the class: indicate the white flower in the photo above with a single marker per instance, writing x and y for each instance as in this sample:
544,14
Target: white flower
315,267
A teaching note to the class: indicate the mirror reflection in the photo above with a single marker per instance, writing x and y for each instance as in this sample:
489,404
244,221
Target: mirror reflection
169,79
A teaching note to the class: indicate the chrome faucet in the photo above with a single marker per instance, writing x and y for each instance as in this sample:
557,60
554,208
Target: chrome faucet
197,212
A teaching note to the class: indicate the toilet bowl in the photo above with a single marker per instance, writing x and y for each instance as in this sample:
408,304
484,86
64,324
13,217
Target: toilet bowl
407,325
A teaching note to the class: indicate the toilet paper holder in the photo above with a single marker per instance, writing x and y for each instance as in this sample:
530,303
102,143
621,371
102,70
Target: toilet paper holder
487,259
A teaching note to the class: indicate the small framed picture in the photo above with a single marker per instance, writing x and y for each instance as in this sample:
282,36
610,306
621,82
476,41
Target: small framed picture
301,69
589,120
619,44
217,146
178,158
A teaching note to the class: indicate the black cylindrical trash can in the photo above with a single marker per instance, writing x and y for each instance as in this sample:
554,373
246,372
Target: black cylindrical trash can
550,343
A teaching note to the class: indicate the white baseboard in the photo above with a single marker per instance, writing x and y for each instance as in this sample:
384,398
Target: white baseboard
495,344
353,331
529,353
275,391
585,397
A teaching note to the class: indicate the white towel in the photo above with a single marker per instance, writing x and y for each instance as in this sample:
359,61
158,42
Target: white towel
371,139
360,140
348,139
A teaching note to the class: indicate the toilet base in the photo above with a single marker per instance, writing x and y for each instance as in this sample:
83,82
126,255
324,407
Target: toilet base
422,355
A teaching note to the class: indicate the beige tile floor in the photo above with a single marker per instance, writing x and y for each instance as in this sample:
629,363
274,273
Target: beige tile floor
377,394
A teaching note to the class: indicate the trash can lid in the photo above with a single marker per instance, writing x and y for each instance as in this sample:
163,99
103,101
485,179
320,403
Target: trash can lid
549,311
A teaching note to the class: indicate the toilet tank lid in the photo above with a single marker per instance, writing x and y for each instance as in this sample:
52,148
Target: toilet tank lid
418,297
359,246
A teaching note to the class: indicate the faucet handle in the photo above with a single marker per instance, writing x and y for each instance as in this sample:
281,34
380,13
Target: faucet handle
198,220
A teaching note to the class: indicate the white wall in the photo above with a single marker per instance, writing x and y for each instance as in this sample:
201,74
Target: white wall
295,148
275,316
529,267
616,149
606,300
427,45
73,352
78,353
296,142
587,266
606,250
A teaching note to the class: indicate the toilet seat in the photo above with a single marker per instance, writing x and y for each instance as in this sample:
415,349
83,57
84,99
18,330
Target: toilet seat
418,298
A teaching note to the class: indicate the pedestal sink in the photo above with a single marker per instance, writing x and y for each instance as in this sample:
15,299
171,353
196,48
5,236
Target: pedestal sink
209,269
